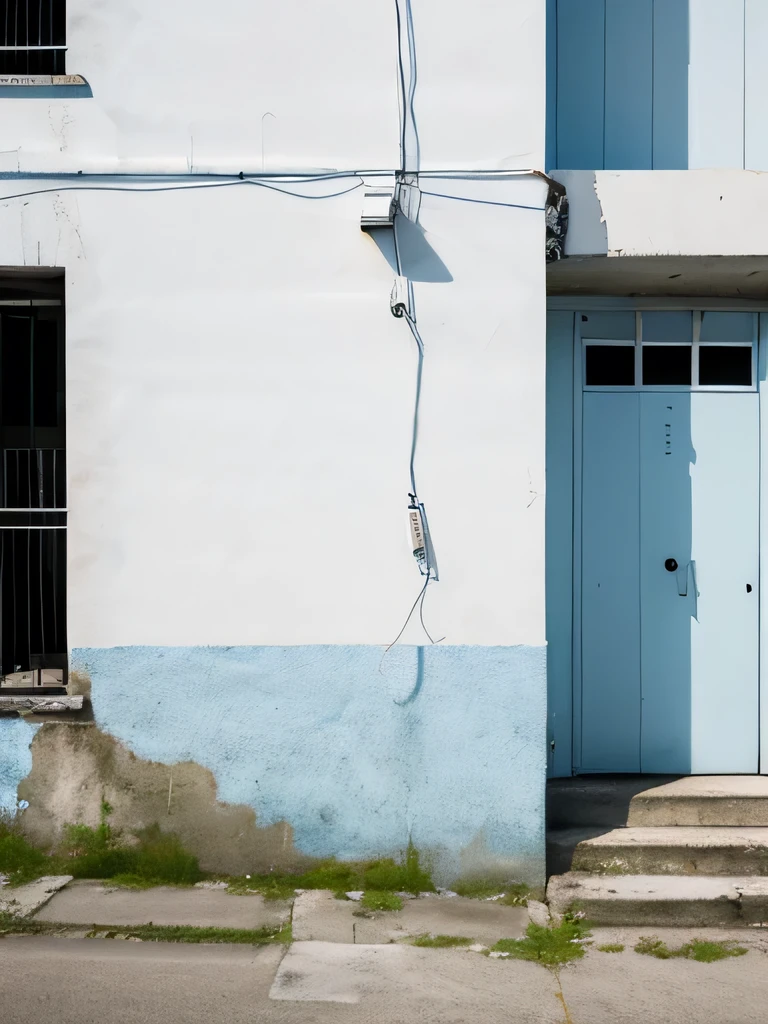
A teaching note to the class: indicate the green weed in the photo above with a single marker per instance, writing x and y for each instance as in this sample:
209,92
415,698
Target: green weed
19,860
373,900
704,951
440,941
551,947
384,875
611,947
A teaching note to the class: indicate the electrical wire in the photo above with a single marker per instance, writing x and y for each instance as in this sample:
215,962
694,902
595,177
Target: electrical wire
401,72
483,202
179,188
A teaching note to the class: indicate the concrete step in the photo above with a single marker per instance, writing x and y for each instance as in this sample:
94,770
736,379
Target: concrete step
587,801
733,800
658,901
681,850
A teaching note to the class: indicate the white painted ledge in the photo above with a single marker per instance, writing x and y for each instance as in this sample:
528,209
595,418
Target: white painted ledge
666,213
52,704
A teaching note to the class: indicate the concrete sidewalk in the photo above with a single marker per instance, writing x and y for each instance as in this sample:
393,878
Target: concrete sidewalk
333,983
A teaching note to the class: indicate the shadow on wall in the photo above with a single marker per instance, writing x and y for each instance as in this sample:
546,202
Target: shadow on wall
76,767
418,259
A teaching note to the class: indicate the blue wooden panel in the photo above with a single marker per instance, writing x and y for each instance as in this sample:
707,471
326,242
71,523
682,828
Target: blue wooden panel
728,327
665,532
716,84
607,326
668,326
610,588
580,83
628,84
755,85
550,158
559,539
670,84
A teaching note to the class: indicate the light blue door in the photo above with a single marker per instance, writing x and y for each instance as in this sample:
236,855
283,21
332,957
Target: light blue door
669,582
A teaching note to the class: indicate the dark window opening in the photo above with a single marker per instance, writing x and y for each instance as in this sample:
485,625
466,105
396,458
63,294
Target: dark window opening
33,35
725,364
667,364
610,365
33,635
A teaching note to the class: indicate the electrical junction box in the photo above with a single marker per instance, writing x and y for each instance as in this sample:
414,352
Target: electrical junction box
378,209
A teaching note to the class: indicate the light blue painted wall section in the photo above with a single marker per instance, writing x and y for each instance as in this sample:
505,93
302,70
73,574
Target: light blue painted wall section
618,95
443,744
15,758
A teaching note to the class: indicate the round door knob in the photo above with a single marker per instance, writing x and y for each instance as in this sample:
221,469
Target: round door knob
670,565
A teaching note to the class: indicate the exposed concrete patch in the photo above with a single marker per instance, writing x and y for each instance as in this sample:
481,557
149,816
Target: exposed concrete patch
88,902
26,899
319,916
77,766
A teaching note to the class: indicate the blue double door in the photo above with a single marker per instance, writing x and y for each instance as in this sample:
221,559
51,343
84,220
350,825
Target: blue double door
669,583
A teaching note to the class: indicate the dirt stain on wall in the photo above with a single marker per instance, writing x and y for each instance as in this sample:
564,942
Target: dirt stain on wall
76,766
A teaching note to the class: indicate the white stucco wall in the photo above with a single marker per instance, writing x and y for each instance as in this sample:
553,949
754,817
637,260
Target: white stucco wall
239,396
178,83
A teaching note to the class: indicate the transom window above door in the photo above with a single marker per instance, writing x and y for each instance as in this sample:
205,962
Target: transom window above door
670,351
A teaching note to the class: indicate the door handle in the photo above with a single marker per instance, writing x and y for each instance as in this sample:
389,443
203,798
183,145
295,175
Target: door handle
681,575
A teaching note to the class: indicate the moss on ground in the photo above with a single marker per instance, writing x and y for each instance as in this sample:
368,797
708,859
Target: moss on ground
440,941
702,950
611,947
10,925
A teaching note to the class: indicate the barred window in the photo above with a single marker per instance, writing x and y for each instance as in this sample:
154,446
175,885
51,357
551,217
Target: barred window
33,35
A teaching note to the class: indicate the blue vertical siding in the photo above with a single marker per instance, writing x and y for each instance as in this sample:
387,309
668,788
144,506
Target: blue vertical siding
618,95
629,84
580,83
670,84
559,531
551,139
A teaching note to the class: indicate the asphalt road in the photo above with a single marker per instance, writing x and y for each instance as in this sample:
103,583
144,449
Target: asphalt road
87,981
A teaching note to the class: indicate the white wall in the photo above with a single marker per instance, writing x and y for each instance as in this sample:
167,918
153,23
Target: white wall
184,81
239,396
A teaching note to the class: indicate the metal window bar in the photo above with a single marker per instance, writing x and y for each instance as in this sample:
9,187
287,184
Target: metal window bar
33,40
34,479
32,601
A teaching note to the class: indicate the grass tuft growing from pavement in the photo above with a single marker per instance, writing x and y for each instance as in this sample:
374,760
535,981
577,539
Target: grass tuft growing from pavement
511,894
704,951
190,934
373,900
385,875
551,947
440,941
10,925
612,947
